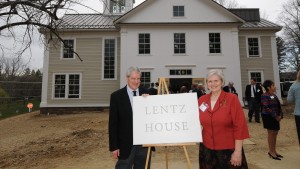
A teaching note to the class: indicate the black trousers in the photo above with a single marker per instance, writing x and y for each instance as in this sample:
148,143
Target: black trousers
297,120
137,159
254,107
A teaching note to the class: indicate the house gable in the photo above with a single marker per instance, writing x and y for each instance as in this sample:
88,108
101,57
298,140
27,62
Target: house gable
195,11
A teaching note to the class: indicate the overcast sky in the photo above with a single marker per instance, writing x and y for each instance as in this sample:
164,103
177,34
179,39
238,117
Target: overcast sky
268,8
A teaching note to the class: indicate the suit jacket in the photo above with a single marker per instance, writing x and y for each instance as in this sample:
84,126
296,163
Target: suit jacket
152,91
226,89
120,122
257,94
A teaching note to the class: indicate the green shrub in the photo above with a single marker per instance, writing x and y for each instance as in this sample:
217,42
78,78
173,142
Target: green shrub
3,93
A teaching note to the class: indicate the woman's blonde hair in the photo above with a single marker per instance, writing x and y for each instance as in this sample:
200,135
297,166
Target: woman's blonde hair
217,72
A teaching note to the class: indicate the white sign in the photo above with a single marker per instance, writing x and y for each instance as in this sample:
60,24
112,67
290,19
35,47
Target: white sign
166,119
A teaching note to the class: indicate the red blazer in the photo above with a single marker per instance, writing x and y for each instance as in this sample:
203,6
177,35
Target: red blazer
224,124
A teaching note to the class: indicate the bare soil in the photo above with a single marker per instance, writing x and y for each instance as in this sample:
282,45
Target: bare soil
80,141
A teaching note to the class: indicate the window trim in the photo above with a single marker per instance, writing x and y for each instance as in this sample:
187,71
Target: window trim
147,71
256,71
259,46
116,58
185,45
219,54
66,85
138,52
62,49
177,5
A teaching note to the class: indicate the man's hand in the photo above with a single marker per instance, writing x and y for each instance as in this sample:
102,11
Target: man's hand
116,153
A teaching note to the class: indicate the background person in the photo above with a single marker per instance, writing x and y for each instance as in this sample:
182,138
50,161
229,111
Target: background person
253,95
224,127
271,115
294,97
152,89
229,88
121,124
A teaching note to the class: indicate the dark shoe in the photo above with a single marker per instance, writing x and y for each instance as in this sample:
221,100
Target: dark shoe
278,155
257,121
250,120
275,158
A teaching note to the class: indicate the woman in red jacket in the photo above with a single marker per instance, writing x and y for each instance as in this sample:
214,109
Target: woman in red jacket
224,127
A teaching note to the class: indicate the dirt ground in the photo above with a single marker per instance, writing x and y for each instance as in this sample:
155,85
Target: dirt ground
80,141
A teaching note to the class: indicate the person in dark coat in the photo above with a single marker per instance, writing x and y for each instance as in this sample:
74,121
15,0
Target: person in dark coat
229,88
121,124
253,96
152,90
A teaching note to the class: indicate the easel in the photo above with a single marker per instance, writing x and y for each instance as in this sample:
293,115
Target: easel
163,89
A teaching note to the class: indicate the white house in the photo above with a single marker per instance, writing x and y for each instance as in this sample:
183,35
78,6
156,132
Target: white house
176,39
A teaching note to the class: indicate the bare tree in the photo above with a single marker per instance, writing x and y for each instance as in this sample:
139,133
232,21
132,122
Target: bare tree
43,15
290,18
31,15
281,51
12,67
228,3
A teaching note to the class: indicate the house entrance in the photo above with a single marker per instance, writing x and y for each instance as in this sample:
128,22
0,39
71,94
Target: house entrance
175,83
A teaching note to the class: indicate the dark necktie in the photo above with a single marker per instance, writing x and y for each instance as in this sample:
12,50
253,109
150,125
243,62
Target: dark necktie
134,93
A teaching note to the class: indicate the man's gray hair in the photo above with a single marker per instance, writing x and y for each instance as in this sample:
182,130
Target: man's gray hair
132,69
217,72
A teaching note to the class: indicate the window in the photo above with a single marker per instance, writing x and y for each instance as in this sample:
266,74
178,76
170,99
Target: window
68,49
67,86
109,59
179,43
144,43
180,71
122,9
118,6
214,43
60,86
145,79
253,47
74,86
178,11
115,9
257,76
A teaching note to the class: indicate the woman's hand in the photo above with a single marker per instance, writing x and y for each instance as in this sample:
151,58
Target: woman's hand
278,118
236,158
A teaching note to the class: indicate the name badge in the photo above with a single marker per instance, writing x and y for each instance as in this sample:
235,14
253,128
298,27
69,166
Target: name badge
272,97
203,107
258,90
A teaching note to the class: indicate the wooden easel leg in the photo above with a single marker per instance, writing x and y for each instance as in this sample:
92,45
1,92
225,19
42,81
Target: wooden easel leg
166,156
148,155
187,157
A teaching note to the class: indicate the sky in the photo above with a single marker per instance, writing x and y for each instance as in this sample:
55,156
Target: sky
269,9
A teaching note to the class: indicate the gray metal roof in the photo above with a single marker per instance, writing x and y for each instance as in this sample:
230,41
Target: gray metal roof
263,24
100,21
248,14
88,21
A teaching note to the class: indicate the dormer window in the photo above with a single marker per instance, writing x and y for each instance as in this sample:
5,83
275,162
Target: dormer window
115,9
118,6
178,11
122,9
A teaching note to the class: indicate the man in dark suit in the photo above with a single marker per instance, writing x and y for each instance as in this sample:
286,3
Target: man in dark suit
229,88
253,96
121,124
152,90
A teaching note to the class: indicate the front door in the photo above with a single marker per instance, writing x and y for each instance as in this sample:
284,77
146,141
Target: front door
176,83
